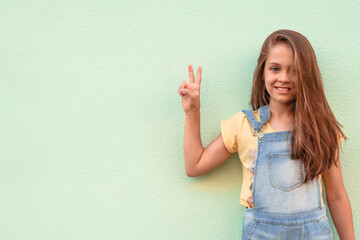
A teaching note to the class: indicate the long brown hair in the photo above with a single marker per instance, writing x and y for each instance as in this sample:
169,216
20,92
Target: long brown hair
315,132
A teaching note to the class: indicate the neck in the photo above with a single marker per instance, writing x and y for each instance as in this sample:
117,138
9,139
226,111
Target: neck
280,110
281,116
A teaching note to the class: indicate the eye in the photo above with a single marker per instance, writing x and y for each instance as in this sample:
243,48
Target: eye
274,69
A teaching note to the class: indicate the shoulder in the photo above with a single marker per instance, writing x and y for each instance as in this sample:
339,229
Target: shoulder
237,118
234,130
238,122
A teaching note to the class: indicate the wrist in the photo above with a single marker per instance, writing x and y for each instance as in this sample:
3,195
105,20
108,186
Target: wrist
192,113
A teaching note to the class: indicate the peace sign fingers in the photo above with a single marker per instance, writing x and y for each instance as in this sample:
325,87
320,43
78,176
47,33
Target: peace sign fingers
198,75
191,75
190,93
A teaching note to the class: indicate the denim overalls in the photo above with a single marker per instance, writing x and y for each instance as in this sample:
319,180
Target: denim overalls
284,207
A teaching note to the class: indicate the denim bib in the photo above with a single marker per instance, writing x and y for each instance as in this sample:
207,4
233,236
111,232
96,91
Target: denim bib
284,206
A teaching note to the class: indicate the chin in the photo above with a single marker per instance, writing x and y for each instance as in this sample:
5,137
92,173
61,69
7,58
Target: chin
283,101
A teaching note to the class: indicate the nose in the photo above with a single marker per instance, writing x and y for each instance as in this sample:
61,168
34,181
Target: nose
285,77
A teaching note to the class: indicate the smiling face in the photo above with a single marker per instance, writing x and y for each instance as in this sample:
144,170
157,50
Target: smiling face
279,74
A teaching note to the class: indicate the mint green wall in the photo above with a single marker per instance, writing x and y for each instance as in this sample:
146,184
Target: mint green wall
92,126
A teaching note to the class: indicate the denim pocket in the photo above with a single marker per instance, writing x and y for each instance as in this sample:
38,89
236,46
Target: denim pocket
285,173
325,227
249,226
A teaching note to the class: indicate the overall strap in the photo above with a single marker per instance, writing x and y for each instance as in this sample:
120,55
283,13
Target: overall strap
264,117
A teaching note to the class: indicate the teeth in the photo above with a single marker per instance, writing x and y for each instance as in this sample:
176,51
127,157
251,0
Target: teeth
283,88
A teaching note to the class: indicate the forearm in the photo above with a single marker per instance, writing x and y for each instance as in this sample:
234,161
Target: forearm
193,147
340,210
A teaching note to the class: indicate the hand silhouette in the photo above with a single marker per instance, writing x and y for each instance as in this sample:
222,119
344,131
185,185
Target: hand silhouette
190,93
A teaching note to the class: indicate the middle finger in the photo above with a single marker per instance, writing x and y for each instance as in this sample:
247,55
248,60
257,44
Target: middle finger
198,75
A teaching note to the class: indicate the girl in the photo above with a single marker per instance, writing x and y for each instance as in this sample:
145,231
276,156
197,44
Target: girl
287,144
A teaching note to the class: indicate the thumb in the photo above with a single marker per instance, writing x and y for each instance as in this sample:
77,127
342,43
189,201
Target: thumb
188,92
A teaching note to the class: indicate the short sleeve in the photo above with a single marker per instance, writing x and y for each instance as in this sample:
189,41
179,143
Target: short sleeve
229,132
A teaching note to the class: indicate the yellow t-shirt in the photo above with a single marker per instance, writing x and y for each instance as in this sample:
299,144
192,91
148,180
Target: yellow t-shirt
238,137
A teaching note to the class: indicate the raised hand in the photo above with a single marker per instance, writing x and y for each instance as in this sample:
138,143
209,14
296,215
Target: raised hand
190,93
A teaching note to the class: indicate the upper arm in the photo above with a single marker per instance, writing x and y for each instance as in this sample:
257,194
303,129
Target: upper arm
213,156
333,181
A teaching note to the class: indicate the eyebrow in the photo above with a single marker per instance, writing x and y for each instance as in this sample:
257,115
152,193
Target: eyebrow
276,63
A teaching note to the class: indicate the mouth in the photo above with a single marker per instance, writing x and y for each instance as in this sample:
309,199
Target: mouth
283,89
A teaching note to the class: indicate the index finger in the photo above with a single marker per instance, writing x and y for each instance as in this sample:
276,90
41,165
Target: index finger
191,74
198,75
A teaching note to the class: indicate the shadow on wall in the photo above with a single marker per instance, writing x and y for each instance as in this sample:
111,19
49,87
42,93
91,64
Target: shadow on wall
226,177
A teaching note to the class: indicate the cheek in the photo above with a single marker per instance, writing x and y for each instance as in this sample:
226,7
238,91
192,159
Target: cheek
268,82
267,87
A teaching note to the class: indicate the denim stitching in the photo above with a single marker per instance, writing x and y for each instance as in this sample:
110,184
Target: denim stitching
272,222
256,166
278,154
273,179
253,230
323,228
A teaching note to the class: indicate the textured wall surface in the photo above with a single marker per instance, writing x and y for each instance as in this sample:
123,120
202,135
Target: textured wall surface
92,126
